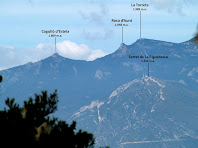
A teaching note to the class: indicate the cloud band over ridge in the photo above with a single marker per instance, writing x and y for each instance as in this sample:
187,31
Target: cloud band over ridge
11,56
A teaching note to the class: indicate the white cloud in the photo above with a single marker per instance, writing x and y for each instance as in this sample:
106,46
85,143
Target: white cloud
172,6
72,50
79,52
10,56
96,54
99,35
96,16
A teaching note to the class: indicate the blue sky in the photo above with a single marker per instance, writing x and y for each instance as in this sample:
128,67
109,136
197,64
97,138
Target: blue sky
92,34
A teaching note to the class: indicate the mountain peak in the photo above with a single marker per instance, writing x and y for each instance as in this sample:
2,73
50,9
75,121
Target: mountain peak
124,49
120,51
122,45
55,55
142,40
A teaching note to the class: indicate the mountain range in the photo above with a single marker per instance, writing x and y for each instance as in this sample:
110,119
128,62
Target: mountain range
142,95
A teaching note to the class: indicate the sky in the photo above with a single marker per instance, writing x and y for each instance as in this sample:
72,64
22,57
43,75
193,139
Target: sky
92,34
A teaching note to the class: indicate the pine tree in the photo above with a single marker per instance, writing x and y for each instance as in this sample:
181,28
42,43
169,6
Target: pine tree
1,78
196,38
31,125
